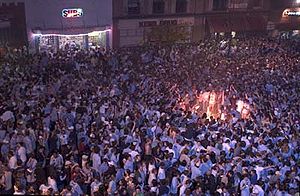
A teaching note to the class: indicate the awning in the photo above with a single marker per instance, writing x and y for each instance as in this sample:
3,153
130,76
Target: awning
70,31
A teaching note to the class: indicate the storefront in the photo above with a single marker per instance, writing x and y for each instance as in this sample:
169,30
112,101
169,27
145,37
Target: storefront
289,23
61,25
234,24
55,41
140,31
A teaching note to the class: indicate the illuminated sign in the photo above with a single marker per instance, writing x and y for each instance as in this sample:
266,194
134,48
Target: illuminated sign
72,13
155,23
292,13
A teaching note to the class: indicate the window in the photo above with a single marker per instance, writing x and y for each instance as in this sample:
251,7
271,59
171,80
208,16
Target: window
133,7
158,6
181,6
238,4
220,4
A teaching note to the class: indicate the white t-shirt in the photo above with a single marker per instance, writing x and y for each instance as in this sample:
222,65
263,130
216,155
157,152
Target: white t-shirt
44,189
258,190
19,193
64,139
133,154
12,163
95,186
161,173
182,190
152,177
22,154
57,162
76,188
96,161
52,184
154,190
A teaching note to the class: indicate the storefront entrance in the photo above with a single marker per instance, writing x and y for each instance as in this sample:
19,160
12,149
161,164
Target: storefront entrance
55,42
74,42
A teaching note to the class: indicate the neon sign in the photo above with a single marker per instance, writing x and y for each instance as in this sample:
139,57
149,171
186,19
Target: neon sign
292,13
72,13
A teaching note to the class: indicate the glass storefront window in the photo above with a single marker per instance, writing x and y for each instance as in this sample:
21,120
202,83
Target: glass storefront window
47,43
68,42
98,39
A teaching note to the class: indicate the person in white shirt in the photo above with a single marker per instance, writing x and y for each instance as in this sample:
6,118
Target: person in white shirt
161,172
183,188
133,153
258,191
56,160
19,190
95,186
63,138
112,186
31,163
152,176
52,183
21,152
96,159
12,162
44,189
245,186
154,188
195,169
76,189
174,185
28,143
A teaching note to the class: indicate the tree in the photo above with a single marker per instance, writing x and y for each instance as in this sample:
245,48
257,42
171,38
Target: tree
168,34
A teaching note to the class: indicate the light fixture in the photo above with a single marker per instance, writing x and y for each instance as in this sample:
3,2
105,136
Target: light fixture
74,35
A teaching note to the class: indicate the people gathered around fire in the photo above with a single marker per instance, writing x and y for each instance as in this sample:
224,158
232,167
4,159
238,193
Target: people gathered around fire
122,122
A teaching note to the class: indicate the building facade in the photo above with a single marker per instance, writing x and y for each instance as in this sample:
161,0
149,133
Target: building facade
141,21
56,24
13,31
285,16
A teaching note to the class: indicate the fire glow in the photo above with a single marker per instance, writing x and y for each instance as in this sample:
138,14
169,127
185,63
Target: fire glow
211,103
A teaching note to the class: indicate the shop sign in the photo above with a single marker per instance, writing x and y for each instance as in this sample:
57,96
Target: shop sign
148,24
157,23
72,13
291,12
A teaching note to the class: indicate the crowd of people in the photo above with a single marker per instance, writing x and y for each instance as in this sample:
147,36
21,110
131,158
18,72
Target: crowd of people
104,122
